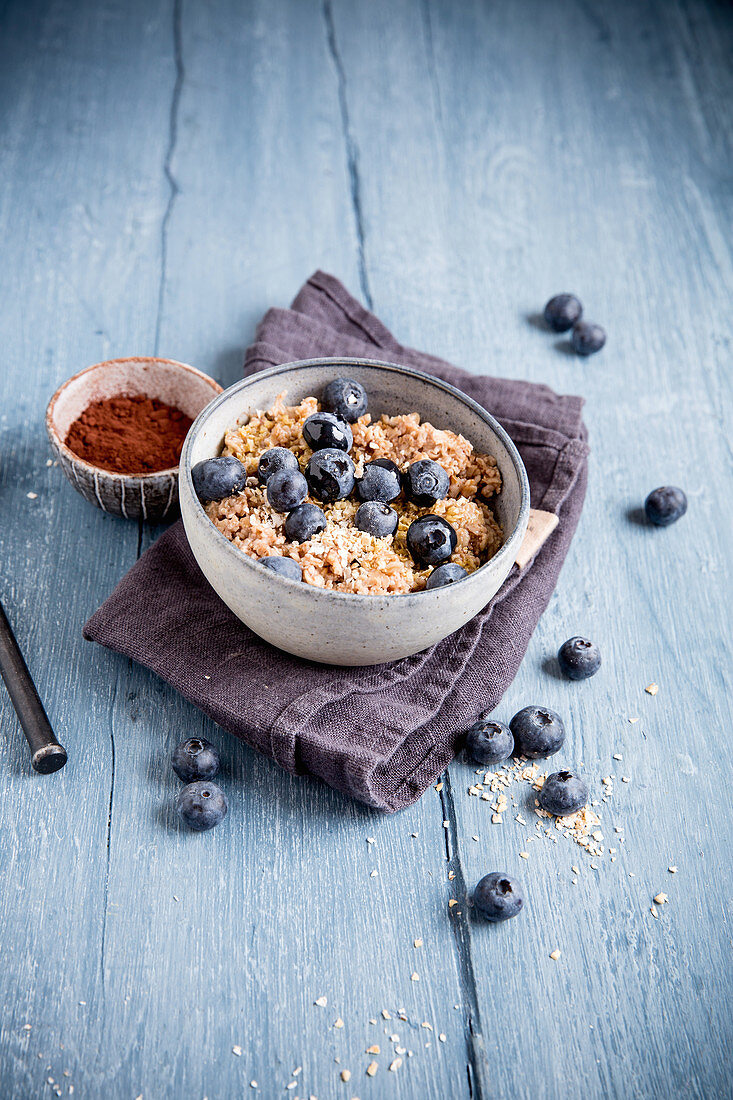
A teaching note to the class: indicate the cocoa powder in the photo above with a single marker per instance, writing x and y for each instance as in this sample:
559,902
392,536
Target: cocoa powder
129,435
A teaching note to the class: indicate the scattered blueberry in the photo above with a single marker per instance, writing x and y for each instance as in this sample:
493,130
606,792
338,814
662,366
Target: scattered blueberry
346,398
275,460
381,480
202,805
375,518
489,742
563,793
538,732
498,897
323,429
426,482
446,574
431,540
665,505
195,759
304,522
579,658
285,567
562,312
217,478
330,474
286,490
587,338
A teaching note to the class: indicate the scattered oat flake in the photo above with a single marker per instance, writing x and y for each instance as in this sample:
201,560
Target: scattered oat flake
451,876
395,1065
496,819
338,1023
672,870
385,1014
452,902
321,1002
374,873
474,838
442,1037
237,1051
524,855
414,977
413,834
633,721
371,840
555,954
345,1075
446,824
625,778
372,1069
654,913
417,943
253,1084
49,462
661,899
439,786
617,756
27,1027
426,1025
652,689
373,1049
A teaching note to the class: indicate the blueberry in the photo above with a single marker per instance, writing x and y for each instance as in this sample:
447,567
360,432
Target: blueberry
426,482
286,490
381,480
330,474
665,505
285,567
217,478
202,805
563,793
304,522
326,430
346,398
275,460
498,897
376,518
587,338
431,540
446,574
195,759
579,658
538,731
489,742
562,312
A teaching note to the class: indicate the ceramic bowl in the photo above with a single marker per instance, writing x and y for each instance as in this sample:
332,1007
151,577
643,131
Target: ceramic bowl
145,496
337,627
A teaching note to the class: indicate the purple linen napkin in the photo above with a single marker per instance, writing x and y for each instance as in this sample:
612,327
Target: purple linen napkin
381,734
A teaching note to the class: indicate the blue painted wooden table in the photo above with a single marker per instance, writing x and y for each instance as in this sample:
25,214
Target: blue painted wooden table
170,170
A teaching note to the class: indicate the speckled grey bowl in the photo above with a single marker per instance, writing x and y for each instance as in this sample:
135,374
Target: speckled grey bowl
336,627
153,496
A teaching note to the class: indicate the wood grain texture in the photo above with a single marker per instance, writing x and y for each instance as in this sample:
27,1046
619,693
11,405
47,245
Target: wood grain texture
171,170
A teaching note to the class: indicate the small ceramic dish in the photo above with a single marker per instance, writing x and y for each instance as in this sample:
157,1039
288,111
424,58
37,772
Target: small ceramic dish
144,496
337,627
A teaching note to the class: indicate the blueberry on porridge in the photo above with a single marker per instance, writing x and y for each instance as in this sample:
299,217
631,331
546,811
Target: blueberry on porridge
345,501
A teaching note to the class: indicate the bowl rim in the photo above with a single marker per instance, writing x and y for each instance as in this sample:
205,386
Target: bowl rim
509,547
76,459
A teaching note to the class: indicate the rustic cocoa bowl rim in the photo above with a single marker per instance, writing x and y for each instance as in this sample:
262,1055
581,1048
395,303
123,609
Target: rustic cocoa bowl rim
72,456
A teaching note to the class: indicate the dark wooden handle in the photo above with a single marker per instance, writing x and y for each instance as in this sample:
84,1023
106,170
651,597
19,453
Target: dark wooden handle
47,754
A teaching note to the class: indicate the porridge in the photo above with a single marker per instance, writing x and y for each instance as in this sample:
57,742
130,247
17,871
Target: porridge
321,492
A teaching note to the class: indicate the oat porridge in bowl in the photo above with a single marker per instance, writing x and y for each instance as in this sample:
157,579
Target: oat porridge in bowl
349,511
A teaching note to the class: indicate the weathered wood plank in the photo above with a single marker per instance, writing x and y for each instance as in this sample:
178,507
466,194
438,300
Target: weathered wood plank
581,148
172,172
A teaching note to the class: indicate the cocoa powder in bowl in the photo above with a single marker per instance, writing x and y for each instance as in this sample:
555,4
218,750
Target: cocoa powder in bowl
129,434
